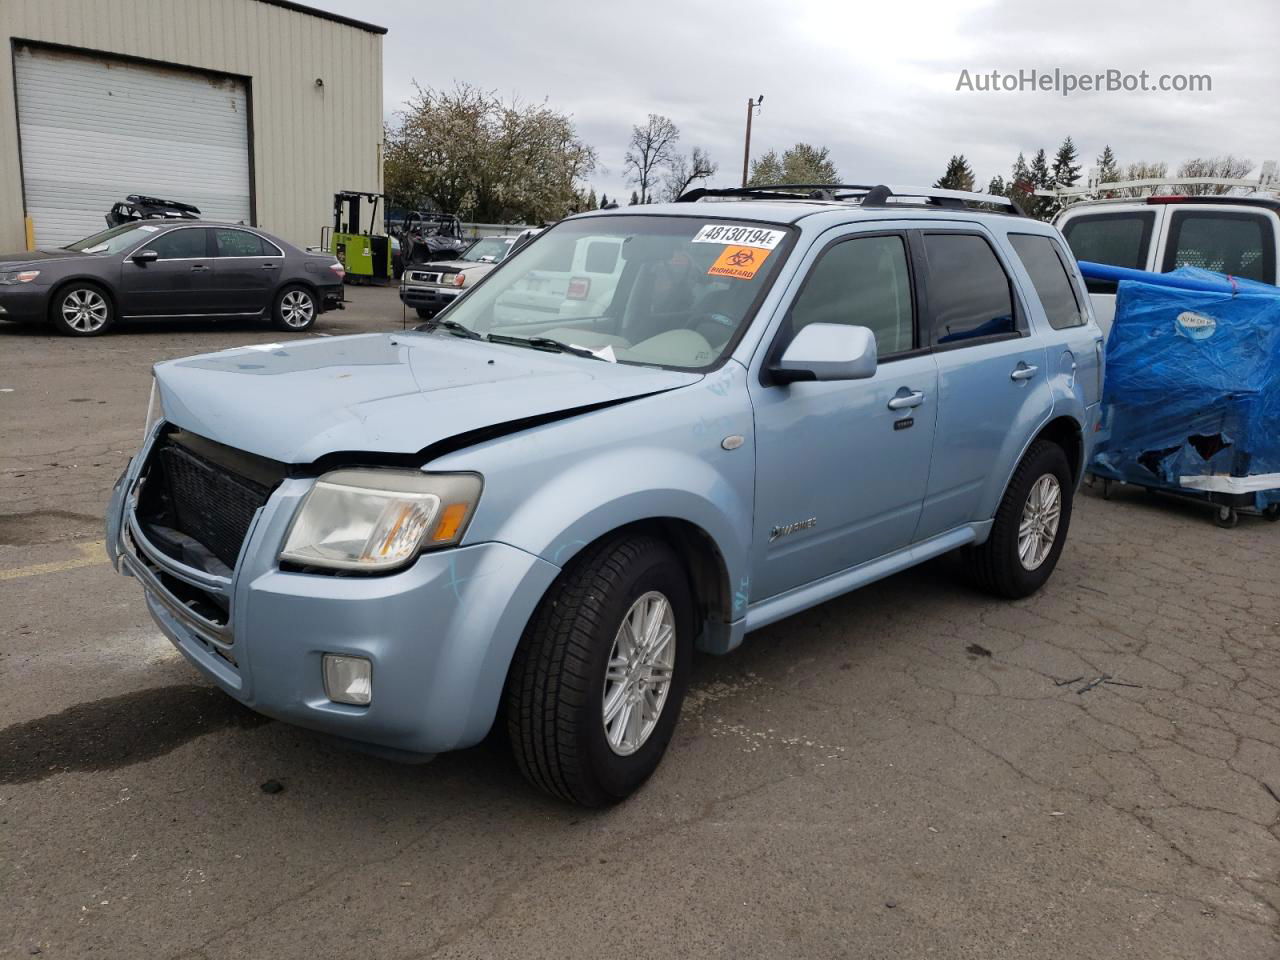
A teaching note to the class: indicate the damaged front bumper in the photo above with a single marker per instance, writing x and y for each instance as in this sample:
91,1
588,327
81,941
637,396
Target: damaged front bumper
439,634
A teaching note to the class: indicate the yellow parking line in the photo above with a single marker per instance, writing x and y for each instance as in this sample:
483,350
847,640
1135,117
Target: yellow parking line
90,554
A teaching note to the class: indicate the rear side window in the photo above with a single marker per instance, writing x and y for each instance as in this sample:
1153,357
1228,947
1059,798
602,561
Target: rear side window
1043,260
240,243
1240,244
1117,239
861,282
969,292
186,244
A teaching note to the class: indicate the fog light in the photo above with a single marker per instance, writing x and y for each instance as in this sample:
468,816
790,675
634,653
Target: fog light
348,679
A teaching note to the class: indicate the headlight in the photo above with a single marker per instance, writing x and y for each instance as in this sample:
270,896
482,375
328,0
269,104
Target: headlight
379,519
155,411
459,279
18,276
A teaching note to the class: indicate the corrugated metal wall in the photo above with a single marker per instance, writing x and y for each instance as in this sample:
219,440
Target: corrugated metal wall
308,141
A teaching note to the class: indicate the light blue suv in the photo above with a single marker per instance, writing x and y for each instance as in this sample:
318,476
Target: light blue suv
651,430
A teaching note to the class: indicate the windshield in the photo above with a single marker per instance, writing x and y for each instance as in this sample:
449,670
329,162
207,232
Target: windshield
116,240
489,249
671,291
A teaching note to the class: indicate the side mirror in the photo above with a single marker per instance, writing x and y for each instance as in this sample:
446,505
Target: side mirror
145,256
828,351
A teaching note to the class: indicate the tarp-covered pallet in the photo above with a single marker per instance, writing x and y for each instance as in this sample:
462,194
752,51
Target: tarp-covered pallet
1192,397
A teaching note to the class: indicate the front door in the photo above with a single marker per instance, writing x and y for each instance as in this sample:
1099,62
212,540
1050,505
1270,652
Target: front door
176,284
841,467
247,271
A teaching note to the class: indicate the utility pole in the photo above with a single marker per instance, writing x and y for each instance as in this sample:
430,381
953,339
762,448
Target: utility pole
752,107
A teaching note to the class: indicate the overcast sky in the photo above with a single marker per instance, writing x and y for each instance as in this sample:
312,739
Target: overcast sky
874,82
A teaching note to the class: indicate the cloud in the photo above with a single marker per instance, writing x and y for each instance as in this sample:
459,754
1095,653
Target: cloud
875,83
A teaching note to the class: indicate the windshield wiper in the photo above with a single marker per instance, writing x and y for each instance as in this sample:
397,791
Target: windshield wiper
457,329
544,343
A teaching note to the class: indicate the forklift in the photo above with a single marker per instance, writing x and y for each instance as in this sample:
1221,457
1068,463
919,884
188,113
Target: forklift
366,255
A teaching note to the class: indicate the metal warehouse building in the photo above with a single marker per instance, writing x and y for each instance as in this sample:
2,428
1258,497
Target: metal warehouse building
253,110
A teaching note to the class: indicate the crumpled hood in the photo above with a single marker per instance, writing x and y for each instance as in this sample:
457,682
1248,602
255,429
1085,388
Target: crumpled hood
383,393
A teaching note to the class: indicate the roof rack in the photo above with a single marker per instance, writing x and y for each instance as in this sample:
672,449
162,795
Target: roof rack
879,195
1267,182
778,191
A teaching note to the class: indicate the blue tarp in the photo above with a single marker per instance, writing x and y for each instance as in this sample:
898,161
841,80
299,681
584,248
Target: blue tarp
1192,396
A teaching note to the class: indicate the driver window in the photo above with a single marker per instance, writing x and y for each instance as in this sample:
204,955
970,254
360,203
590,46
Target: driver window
188,243
862,282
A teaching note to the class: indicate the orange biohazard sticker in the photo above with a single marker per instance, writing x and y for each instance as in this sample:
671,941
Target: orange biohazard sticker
739,262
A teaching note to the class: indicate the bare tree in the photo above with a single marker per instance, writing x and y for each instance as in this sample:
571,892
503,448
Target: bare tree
1228,167
652,147
684,171
1142,170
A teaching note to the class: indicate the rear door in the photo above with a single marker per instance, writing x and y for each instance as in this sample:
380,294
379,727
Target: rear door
841,466
1120,238
1074,347
179,283
247,270
993,376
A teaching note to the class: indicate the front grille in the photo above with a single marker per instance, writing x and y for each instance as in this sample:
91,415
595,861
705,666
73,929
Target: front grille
199,498
418,277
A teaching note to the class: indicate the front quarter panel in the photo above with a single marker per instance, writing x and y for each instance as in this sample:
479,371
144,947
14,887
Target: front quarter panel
553,490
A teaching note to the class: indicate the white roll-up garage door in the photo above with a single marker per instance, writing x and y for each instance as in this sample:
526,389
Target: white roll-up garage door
94,129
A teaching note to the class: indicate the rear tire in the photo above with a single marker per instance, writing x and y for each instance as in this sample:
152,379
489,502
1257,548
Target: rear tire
295,309
1030,526
82,309
576,671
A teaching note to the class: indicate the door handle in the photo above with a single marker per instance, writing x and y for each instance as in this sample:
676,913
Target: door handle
268,266
198,266
1023,371
903,401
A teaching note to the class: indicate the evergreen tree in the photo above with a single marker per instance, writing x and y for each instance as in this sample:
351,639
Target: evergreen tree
635,198
996,186
959,175
1066,171
592,203
1108,169
1020,185
604,200
1041,179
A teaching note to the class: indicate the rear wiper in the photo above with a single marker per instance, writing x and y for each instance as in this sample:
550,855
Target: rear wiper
544,343
453,326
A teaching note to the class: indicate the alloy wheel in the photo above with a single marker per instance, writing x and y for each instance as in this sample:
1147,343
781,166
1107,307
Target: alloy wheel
85,311
638,676
1038,529
297,309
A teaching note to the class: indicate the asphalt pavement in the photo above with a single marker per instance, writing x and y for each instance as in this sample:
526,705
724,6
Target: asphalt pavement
913,770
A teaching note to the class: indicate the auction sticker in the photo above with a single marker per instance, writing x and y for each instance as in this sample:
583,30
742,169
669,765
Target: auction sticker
739,262
742,236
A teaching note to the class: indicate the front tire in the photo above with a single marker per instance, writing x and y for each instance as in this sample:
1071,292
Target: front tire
1030,526
82,310
295,309
597,682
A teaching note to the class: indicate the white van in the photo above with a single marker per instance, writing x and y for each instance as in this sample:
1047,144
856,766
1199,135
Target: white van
1228,234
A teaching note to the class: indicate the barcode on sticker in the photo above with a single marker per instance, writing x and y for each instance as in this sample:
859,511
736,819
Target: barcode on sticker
741,236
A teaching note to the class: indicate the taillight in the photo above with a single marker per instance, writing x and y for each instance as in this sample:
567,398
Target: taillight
339,269
579,287
1165,199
